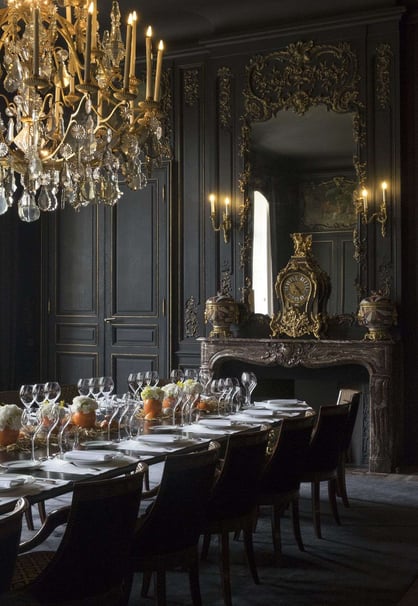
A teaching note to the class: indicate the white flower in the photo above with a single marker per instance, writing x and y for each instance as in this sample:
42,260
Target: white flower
10,417
171,390
192,387
48,410
152,393
83,404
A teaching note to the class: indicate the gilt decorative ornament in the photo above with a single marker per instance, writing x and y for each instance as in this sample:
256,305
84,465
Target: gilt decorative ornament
303,290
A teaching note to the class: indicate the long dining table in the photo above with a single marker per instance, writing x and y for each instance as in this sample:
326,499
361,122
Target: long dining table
45,478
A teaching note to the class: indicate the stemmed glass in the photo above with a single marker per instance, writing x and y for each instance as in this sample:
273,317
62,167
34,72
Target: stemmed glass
26,395
49,416
152,378
38,391
205,377
232,387
83,387
176,375
249,382
52,391
136,420
32,425
65,417
216,388
106,386
191,373
135,382
94,388
127,409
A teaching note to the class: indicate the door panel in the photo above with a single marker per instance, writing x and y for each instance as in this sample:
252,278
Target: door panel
107,286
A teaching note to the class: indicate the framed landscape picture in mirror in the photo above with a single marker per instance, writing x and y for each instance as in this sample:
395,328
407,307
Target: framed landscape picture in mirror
327,204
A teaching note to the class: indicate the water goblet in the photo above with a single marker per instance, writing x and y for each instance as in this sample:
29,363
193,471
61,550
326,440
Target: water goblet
152,378
64,431
205,377
32,426
39,393
26,395
49,417
127,409
52,391
176,375
191,373
136,420
249,382
106,386
94,388
83,387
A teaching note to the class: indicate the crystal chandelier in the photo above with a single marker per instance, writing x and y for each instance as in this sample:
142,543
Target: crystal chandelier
72,119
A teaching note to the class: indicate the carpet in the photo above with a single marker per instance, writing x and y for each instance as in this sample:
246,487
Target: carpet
370,560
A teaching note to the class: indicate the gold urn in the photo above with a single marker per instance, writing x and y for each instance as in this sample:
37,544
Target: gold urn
378,314
221,311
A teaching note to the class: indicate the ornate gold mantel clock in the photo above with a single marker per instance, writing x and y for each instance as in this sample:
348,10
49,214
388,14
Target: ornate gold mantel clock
303,290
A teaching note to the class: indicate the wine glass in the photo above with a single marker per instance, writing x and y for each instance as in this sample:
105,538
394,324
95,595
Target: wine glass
38,391
63,434
191,373
32,426
49,416
249,382
205,377
83,387
127,410
94,388
176,375
152,378
135,382
136,420
26,395
52,391
106,386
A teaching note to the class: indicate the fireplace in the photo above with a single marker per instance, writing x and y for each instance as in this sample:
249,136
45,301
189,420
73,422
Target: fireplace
381,359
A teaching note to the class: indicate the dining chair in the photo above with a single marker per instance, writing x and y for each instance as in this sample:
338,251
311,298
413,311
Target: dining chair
280,481
323,455
233,503
91,563
10,528
352,397
167,535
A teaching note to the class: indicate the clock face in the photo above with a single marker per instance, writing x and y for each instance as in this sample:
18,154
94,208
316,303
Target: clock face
296,288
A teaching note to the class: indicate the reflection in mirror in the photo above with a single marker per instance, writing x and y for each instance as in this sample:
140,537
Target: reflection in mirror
262,257
303,166
303,136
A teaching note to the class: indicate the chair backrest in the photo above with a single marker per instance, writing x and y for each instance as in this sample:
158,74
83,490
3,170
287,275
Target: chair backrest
346,395
328,437
351,420
175,520
287,460
10,529
92,557
236,489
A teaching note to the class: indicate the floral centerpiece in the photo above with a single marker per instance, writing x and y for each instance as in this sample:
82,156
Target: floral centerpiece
152,396
171,394
10,423
83,411
192,387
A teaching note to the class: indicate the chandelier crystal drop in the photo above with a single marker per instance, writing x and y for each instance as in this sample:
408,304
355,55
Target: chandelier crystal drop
72,116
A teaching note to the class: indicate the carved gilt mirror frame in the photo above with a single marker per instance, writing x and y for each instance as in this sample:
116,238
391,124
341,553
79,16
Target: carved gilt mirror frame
297,78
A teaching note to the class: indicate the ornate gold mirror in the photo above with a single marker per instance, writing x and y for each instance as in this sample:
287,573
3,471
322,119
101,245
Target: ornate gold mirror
302,144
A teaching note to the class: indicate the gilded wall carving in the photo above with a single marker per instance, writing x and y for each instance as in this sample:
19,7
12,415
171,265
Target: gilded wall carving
191,86
190,318
224,97
384,56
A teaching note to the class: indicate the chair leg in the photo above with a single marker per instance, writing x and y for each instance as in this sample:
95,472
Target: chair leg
205,546
41,511
160,592
296,524
341,483
332,495
194,582
249,550
276,513
225,568
316,510
29,518
146,582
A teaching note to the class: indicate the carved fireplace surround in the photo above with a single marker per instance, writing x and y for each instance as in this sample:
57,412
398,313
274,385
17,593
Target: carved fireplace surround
380,358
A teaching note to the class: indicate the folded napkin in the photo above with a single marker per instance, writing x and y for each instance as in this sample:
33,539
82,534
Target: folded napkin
4,483
258,412
88,455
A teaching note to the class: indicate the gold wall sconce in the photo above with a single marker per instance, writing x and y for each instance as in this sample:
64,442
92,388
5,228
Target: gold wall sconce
226,224
362,208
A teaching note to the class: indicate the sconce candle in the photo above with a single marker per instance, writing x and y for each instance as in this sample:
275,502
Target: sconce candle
128,54
384,188
365,203
212,204
36,14
133,45
227,207
87,62
148,53
158,71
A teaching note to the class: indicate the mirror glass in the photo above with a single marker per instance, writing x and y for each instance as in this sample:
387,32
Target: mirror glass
303,179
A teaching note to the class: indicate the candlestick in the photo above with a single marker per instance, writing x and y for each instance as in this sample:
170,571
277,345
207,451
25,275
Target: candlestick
133,45
36,41
158,71
87,58
68,13
148,52
128,54
212,204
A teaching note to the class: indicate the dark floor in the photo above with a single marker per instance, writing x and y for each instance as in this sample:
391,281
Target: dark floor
372,559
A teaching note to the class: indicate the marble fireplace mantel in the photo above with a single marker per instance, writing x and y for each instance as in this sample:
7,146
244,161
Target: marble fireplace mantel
380,358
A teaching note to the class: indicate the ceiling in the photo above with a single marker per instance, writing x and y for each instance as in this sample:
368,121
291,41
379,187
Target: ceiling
186,22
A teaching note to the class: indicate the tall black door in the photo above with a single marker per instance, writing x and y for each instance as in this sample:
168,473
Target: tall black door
107,287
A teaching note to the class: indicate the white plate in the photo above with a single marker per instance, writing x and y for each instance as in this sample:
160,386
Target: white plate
165,428
280,404
10,476
163,439
97,444
219,423
91,457
21,464
258,412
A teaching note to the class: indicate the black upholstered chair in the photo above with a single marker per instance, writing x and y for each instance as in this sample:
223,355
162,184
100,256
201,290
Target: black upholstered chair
91,564
10,529
167,535
351,397
280,480
233,504
327,442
